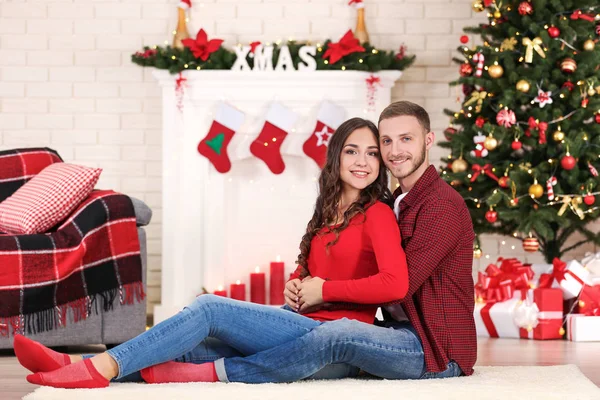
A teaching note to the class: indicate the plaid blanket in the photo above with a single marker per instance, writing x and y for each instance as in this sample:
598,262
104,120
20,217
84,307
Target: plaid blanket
89,261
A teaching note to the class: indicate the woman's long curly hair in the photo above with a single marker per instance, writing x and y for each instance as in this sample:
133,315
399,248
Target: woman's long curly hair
330,191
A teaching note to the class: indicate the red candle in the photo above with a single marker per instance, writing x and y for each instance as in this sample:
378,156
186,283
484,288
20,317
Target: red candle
221,291
238,291
257,287
277,282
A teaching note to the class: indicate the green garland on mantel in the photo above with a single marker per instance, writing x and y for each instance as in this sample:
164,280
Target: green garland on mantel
176,60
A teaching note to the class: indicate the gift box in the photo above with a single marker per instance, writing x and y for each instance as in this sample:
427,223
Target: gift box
540,315
591,261
497,319
589,301
570,277
583,328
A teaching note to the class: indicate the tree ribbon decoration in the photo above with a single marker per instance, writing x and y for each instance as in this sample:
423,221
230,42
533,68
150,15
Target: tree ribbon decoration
569,202
486,169
578,14
542,127
477,97
533,45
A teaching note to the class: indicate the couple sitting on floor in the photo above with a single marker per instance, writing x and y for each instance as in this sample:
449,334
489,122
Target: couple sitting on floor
410,252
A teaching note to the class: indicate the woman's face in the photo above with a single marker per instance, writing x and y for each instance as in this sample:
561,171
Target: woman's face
359,160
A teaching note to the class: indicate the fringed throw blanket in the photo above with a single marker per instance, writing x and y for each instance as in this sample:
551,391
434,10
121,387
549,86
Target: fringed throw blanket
91,260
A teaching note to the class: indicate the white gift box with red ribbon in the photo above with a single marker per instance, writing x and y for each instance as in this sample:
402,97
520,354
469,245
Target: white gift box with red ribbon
583,328
570,277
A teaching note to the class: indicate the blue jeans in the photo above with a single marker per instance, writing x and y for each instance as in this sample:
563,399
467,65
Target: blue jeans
241,329
391,352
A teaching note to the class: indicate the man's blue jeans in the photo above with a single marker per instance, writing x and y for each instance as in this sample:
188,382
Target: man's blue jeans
267,344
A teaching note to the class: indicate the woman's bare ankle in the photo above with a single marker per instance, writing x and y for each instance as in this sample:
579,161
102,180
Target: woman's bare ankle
75,359
105,365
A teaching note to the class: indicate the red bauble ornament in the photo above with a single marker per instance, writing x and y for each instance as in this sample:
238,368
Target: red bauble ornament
514,201
465,69
531,244
589,199
568,162
525,8
491,216
516,145
569,85
597,118
480,121
468,89
449,132
464,39
504,181
554,32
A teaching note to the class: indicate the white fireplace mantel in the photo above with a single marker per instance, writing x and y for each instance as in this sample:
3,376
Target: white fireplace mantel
217,227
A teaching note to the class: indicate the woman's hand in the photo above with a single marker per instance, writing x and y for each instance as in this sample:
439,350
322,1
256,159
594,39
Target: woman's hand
311,293
291,293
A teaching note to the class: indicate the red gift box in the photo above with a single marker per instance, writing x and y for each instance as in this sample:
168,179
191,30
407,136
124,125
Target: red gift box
541,316
589,301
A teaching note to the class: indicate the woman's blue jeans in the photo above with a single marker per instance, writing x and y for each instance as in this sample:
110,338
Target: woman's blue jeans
254,344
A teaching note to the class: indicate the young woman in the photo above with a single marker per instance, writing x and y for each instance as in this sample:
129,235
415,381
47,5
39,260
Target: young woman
350,236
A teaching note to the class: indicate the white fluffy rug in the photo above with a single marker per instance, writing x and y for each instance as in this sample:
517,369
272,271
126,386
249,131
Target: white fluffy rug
556,382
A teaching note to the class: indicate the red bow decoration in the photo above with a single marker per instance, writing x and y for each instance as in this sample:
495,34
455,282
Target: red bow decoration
372,80
487,3
202,48
348,44
354,2
542,127
486,169
559,270
578,14
253,46
589,301
498,284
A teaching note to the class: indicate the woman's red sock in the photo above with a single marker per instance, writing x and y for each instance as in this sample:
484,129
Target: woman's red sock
180,372
80,375
36,357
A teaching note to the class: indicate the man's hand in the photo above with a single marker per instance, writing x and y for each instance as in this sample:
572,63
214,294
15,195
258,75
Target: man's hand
311,294
291,293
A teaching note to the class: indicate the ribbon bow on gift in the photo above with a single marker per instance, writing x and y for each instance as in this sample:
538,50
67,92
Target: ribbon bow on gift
477,97
559,270
498,284
486,169
542,127
533,45
569,202
527,313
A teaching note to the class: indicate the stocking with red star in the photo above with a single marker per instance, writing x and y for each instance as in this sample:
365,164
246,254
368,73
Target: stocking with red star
329,117
214,145
267,146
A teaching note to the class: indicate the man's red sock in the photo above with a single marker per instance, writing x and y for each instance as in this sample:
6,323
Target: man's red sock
80,375
36,357
180,372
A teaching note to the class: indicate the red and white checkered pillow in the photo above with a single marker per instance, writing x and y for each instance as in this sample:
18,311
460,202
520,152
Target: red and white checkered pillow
48,198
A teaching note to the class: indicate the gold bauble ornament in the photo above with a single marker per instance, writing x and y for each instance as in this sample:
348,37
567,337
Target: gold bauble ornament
536,190
477,6
497,14
577,200
523,86
589,45
459,165
495,71
531,244
490,143
477,253
591,91
568,66
558,136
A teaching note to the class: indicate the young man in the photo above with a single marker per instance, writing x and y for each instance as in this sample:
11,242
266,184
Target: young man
432,331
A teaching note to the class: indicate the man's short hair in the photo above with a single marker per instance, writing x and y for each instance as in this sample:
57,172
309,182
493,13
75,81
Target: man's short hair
401,108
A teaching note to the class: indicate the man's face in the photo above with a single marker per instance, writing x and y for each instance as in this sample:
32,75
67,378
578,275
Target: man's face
404,145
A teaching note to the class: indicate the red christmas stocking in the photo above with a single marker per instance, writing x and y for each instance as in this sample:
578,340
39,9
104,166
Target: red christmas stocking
329,117
267,145
214,146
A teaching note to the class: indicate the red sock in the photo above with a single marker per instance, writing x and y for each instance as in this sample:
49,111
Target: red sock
80,375
267,145
214,145
329,117
36,357
180,372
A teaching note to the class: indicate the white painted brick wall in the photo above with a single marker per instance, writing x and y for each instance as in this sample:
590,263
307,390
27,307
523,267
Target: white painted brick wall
66,80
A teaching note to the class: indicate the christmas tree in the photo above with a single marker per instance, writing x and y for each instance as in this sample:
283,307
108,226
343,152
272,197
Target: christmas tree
525,146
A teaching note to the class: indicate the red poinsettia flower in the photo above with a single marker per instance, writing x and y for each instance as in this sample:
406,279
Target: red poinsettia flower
348,44
202,48
253,46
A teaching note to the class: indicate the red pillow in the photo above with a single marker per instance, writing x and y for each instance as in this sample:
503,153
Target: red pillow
48,198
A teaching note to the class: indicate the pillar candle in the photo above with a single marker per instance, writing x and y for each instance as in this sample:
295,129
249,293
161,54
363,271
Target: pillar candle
238,291
257,287
221,291
277,282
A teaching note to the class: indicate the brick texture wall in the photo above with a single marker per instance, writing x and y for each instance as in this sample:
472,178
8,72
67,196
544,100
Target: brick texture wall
66,80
